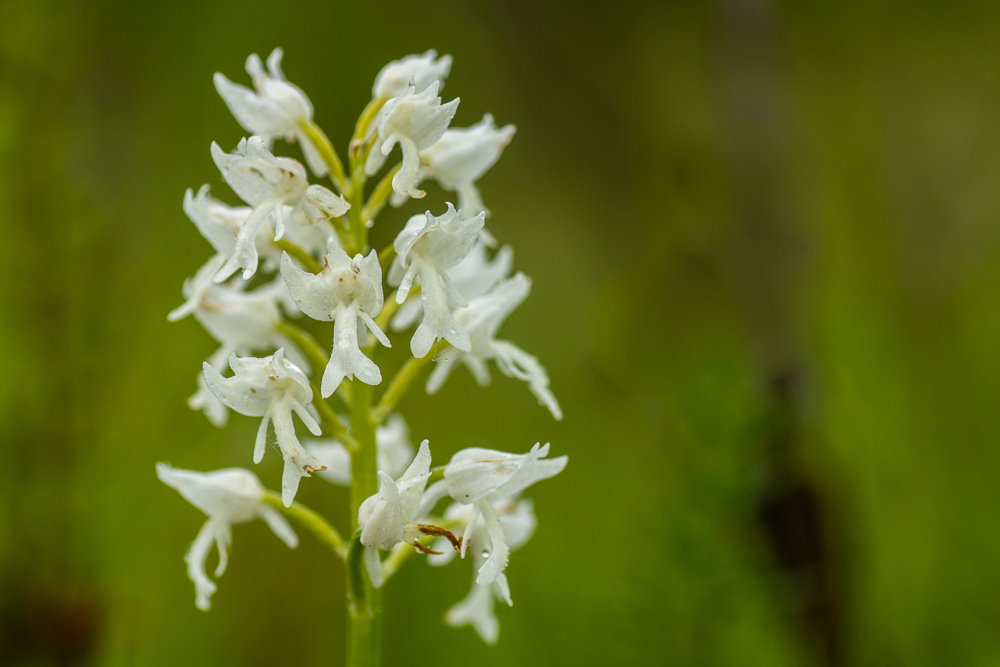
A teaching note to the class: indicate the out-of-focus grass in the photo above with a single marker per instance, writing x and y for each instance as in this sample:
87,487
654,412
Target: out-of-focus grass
764,247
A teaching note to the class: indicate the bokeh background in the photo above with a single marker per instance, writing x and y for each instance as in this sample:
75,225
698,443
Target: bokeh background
766,258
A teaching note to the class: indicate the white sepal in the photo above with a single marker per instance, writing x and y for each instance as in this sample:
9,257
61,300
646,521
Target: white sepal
423,70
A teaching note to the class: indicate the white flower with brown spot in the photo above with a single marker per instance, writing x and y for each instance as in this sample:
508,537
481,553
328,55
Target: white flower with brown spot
269,184
483,478
272,388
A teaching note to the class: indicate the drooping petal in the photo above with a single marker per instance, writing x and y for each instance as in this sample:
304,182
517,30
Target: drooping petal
223,540
476,610
439,300
346,358
298,462
515,362
279,526
195,559
499,552
374,566
245,255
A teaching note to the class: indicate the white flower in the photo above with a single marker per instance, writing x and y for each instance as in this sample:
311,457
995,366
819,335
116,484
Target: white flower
476,609
220,225
242,322
276,108
482,319
204,399
387,518
238,320
349,292
414,120
228,497
269,184
460,157
272,388
422,70
518,522
473,276
426,248
394,451
483,478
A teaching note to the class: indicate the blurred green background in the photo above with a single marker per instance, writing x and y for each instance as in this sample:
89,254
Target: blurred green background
766,263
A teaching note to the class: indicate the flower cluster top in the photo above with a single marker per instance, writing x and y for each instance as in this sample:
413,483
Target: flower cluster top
292,247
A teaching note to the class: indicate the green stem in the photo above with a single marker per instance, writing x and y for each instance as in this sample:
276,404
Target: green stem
361,127
364,610
400,384
356,198
311,520
298,253
365,604
325,149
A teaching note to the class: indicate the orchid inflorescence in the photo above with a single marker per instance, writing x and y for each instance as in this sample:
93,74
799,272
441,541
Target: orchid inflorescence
299,248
